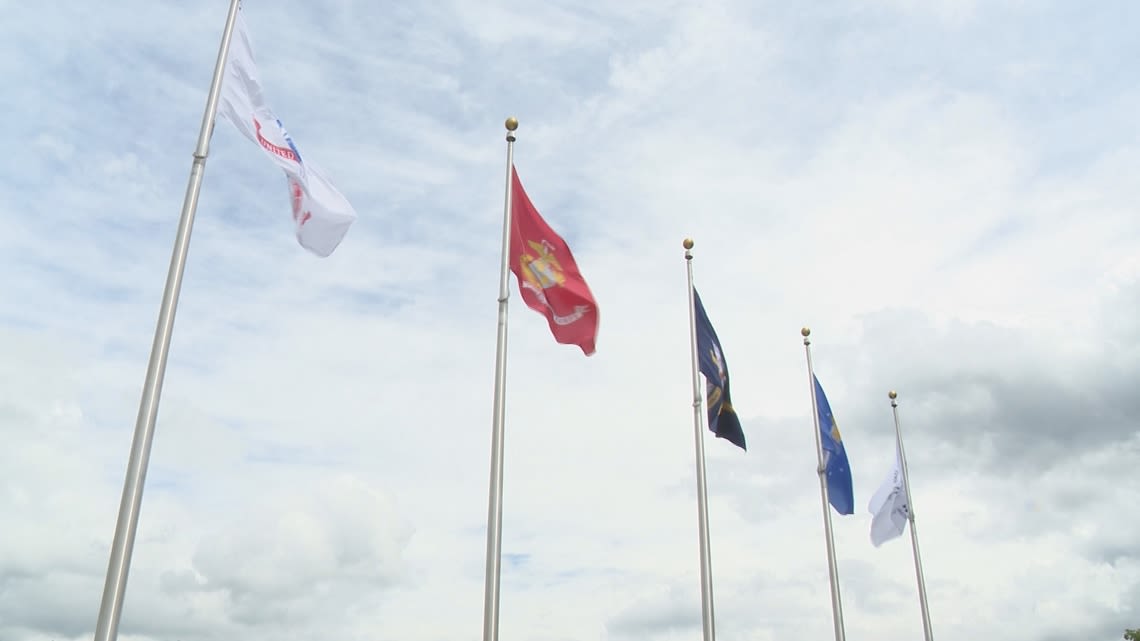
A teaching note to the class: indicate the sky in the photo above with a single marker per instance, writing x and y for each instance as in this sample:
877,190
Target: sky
944,191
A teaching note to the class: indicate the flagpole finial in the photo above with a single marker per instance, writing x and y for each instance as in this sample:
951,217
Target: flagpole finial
892,394
512,123
805,332
688,244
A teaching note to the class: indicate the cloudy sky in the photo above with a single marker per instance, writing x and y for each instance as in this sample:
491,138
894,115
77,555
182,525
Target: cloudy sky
944,190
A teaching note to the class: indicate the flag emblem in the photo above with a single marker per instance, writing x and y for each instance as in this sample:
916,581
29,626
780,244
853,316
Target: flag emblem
722,376
542,271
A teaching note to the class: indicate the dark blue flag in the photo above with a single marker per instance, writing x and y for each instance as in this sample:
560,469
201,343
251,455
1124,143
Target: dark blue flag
722,418
839,489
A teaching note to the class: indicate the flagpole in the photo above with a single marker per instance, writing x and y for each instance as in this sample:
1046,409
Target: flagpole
118,567
702,491
927,630
495,494
833,571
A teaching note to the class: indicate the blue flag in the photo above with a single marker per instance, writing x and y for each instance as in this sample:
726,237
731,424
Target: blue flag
839,488
722,418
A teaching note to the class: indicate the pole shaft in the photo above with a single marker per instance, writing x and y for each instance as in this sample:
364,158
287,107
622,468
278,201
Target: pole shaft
495,492
927,629
832,569
707,616
118,567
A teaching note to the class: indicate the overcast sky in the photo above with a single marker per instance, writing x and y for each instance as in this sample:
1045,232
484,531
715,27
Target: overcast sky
943,190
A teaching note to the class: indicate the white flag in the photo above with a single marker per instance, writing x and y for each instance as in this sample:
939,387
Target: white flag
889,506
321,215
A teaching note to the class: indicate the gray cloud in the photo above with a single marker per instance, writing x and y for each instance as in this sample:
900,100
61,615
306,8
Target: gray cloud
661,612
1010,399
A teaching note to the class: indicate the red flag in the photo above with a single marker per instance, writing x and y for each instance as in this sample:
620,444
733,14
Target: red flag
548,277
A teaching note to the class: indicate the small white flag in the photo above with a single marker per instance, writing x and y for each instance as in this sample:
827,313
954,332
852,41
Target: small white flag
321,214
889,506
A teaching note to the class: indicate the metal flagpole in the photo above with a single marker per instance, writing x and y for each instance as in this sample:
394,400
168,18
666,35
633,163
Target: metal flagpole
495,498
107,626
702,490
927,630
833,571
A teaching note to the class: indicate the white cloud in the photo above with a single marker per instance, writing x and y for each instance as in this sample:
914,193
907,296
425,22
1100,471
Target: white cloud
896,177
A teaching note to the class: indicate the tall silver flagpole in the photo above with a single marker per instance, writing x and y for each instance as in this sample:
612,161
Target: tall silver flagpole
699,433
833,571
107,626
495,498
927,630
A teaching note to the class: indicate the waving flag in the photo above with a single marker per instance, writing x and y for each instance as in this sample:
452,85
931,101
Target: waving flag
321,215
839,488
889,506
723,420
548,276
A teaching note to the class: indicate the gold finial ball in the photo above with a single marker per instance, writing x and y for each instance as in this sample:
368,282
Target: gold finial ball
688,244
805,332
893,394
512,123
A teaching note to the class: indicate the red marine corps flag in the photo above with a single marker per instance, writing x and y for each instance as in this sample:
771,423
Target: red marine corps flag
548,277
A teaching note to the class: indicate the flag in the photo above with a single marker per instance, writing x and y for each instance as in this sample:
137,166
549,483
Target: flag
548,278
722,417
889,506
839,488
321,215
